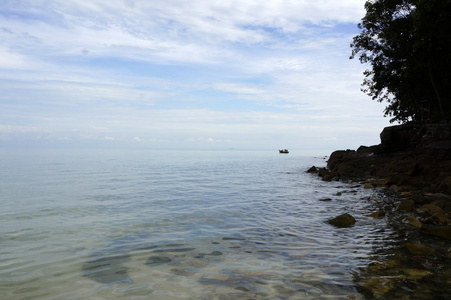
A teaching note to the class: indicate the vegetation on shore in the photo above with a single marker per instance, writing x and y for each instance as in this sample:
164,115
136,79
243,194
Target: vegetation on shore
407,43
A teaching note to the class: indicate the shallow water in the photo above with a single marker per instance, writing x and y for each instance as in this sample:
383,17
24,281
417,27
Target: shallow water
178,225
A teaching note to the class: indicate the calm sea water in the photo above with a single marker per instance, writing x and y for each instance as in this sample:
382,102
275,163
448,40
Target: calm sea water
177,225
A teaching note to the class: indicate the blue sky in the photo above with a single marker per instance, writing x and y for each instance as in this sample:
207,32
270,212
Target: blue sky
182,74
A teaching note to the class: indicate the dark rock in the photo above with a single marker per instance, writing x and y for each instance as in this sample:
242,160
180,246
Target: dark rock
379,287
406,205
411,221
377,214
343,220
313,169
420,249
429,210
416,274
157,260
440,231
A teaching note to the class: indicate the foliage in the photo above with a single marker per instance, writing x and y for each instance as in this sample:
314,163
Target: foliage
407,44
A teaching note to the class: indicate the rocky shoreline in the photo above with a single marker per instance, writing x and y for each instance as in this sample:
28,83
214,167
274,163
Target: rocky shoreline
413,164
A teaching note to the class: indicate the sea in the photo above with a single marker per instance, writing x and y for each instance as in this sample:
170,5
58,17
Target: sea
148,224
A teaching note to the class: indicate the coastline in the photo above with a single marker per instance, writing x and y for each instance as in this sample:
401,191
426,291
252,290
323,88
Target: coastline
412,164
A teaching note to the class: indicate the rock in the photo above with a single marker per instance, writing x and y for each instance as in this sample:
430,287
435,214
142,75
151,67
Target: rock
440,203
420,249
368,186
406,205
349,165
416,274
440,231
384,265
406,194
313,169
327,175
158,260
438,218
325,199
412,222
429,210
343,220
377,214
379,286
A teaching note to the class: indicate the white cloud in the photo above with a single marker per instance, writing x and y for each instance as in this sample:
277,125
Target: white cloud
171,71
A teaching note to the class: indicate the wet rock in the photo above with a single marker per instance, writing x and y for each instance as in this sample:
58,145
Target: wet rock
327,175
377,214
368,186
429,210
406,205
379,286
420,249
416,274
438,218
343,220
411,221
440,231
325,199
313,169
376,267
406,194
428,263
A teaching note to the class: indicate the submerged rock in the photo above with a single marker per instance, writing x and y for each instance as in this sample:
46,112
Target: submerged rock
420,249
416,274
406,205
343,220
412,222
157,260
440,231
379,286
377,214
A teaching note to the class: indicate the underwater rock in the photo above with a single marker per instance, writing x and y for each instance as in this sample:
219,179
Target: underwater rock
379,286
368,186
412,222
108,269
416,274
440,231
406,205
343,220
429,210
420,249
384,265
377,214
157,260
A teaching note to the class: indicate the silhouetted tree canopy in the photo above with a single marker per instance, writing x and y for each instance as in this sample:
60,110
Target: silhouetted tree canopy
408,45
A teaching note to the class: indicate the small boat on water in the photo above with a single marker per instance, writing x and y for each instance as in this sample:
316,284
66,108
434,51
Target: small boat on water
284,151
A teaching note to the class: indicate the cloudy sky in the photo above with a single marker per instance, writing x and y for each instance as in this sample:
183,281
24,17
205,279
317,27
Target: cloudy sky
198,74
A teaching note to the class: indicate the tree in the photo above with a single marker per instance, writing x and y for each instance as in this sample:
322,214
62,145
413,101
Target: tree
407,43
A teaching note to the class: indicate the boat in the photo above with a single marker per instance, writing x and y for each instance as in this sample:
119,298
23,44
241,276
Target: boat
284,151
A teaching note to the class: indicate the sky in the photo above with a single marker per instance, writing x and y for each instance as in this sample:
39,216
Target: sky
177,74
